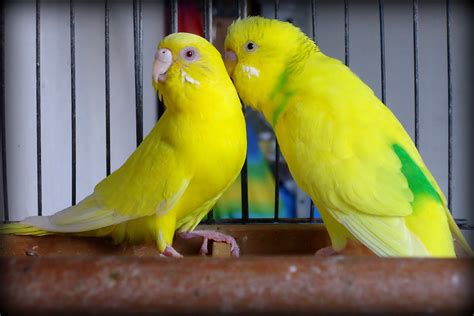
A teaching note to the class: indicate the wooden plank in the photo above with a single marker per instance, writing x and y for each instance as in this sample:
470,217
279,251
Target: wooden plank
116,285
253,239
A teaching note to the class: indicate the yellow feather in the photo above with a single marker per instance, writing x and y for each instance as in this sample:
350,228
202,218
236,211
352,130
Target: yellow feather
181,168
342,145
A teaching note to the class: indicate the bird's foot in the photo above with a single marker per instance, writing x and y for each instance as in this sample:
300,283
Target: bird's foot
214,236
170,252
326,252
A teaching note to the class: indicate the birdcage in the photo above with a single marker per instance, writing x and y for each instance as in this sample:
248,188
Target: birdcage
76,101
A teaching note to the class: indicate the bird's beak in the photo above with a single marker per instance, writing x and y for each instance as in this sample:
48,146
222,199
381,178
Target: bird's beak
163,61
230,60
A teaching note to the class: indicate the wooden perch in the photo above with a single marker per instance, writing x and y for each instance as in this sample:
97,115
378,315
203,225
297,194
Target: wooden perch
53,275
253,239
298,285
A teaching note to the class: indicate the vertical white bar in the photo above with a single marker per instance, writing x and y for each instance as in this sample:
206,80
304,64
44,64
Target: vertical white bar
433,89
365,43
56,106
399,61
90,101
122,83
20,100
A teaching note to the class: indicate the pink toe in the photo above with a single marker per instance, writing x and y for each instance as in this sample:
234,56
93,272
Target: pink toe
171,252
326,252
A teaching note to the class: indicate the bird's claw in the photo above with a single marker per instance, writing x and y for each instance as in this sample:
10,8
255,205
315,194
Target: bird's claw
326,252
204,250
170,252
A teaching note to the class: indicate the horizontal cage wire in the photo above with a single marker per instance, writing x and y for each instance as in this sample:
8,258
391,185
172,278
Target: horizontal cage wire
351,13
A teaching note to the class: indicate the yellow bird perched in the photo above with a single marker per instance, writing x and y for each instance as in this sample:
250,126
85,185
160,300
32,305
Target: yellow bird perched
171,181
342,145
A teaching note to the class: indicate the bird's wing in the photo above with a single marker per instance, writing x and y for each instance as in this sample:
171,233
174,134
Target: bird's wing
378,178
373,176
361,170
86,215
413,152
373,205
386,236
364,173
151,182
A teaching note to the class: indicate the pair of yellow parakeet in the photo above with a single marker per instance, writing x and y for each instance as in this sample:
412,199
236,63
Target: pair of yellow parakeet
342,145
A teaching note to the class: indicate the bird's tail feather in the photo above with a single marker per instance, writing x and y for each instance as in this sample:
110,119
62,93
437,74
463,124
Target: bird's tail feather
82,217
22,229
458,234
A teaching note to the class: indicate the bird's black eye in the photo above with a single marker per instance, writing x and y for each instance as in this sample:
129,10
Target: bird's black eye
250,46
189,54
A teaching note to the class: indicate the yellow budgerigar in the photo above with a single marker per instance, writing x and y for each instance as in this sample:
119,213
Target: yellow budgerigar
171,181
343,146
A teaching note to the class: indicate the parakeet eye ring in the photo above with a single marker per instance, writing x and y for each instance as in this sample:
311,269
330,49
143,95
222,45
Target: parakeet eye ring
250,46
189,54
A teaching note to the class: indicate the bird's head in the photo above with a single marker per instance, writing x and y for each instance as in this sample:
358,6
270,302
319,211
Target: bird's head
259,51
185,64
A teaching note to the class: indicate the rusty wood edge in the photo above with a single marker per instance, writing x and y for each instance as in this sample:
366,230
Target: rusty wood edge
253,240
121,285
283,239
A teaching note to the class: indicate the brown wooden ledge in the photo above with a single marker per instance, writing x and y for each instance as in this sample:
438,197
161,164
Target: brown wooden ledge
57,275
253,239
297,285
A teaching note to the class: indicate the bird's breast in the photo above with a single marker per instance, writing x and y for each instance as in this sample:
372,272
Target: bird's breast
311,145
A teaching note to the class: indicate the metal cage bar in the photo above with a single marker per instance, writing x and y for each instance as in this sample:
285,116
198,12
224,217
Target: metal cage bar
73,100
450,106
138,55
313,28
107,87
346,32
313,20
382,49
207,22
174,16
277,147
267,221
38,108
243,10
244,187
173,27
416,73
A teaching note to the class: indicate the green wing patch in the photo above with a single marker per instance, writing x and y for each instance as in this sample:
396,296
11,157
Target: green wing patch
280,88
418,183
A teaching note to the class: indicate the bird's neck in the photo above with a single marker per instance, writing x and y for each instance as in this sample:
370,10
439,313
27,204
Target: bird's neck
281,94
290,85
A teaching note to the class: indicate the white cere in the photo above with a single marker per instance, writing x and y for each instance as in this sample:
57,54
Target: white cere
185,77
251,71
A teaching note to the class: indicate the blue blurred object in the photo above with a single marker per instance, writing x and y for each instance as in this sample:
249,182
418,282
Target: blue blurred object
261,188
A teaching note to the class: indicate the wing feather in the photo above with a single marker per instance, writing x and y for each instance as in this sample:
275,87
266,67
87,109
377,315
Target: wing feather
386,236
150,182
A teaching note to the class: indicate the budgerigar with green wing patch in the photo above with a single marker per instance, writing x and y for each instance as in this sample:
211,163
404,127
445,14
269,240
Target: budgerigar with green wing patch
343,146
